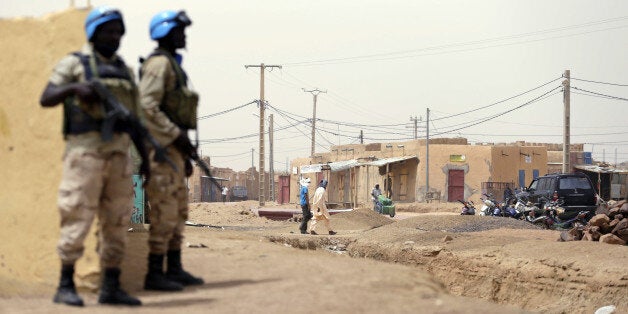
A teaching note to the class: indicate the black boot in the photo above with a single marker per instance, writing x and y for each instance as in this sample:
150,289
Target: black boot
176,273
110,292
66,292
156,279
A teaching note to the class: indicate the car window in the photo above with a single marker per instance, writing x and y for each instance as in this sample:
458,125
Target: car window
543,184
571,183
533,185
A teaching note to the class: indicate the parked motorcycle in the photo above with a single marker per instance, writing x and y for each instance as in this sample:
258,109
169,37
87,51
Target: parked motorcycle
489,205
528,211
468,207
552,209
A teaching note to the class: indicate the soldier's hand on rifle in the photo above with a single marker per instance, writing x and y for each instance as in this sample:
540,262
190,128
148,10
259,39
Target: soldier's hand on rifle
86,93
183,144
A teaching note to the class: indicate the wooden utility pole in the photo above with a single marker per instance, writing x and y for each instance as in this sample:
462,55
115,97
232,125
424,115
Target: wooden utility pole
271,167
262,116
314,93
566,126
416,126
427,153
361,137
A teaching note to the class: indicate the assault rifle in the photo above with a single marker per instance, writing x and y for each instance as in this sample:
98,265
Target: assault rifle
119,118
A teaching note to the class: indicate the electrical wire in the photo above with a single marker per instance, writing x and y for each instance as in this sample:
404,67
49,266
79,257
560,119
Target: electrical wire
598,82
382,56
599,94
499,102
544,95
226,111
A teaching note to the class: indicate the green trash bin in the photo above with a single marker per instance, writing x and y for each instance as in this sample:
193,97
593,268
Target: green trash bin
388,208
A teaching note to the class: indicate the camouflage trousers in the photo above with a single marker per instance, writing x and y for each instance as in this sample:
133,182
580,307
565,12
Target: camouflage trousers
95,184
168,196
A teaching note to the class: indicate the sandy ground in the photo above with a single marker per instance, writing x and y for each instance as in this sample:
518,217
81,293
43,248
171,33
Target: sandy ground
425,263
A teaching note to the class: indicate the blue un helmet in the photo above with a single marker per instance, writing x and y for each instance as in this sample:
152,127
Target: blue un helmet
99,16
163,22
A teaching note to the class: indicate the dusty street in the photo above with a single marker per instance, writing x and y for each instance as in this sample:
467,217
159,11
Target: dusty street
375,264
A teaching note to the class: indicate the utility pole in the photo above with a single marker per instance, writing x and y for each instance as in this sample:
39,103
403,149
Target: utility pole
314,93
427,152
252,154
416,127
261,127
566,102
271,167
615,157
252,174
361,137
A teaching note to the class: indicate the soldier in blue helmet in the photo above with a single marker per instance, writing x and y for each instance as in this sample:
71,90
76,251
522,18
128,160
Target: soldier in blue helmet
96,179
169,107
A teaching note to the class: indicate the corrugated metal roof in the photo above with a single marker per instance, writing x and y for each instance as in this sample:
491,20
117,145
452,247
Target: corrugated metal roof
385,161
595,168
333,166
342,165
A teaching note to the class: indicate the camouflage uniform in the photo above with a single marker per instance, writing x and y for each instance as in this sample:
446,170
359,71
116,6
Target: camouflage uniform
167,190
96,176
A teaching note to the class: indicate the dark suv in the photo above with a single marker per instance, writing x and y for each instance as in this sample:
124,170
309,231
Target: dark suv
575,189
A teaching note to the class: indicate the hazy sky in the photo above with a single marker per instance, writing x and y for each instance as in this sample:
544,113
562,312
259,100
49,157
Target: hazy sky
382,62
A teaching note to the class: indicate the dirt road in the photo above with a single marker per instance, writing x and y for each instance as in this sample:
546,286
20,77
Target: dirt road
422,264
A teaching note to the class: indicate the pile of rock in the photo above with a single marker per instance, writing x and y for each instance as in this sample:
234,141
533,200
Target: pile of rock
609,225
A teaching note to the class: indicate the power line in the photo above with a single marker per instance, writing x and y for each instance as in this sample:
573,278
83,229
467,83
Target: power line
546,94
598,82
383,56
600,94
226,111
499,102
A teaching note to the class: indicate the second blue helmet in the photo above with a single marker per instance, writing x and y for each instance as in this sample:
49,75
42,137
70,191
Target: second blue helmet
163,22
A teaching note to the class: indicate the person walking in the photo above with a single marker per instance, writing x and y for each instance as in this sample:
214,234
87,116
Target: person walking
305,204
169,108
319,206
96,178
375,193
224,193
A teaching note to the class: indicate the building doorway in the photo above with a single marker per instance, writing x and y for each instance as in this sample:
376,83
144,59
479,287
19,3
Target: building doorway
455,190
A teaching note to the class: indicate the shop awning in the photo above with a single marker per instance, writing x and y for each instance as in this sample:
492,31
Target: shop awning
332,166
392,160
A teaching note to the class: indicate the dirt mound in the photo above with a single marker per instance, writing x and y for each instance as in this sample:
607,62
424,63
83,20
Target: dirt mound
436,207
462,223
359,219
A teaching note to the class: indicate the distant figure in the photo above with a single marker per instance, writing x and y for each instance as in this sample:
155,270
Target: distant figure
225,191
319,207
389,187
508,195
375,193
305,204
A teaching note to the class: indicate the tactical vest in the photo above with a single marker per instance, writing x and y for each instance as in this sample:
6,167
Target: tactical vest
180,103
80,117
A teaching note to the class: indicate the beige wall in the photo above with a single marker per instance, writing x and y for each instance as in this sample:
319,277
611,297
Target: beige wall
32,147
506,168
